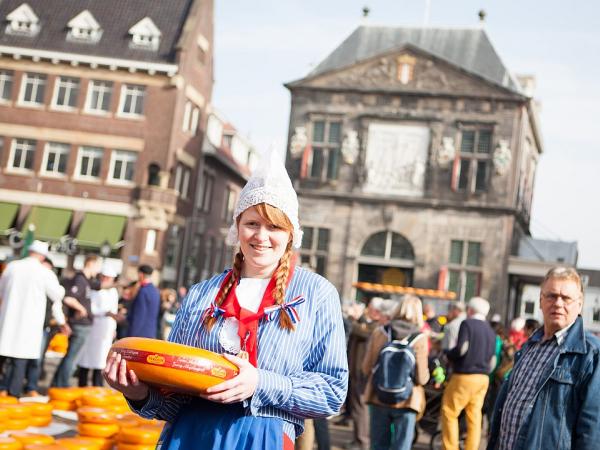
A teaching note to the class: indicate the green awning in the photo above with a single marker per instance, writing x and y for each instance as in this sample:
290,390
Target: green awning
99,228
50,223
8,212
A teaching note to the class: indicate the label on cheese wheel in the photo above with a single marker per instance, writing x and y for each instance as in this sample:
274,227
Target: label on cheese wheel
188,364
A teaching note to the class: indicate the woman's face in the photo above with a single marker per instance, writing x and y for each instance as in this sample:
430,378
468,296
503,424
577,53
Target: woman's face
262,243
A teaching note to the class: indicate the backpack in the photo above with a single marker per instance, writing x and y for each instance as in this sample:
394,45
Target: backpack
394,371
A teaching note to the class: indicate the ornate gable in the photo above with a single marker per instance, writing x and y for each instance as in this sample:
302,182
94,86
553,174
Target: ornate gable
406,70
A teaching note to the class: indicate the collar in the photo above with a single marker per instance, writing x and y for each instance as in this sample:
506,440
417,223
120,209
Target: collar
570,339
145,282
478,316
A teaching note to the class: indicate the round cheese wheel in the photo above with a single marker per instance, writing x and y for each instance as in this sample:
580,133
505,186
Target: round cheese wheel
8,400
4,414
18,411
40,421
63,405
32,438
16,424
124,446
101,430
147,435
44,447
103,443
175,366
90,414
40,409
125,423
76,443
8,443
68,394
98,399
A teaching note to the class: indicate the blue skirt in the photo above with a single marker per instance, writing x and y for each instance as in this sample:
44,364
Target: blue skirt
212,426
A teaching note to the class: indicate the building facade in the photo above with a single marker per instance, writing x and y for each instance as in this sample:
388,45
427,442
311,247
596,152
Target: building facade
103,108
414,154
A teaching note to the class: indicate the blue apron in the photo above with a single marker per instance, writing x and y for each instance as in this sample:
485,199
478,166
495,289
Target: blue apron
212,426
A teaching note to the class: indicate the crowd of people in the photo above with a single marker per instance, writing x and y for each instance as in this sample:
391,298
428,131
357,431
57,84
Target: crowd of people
92,308
301,358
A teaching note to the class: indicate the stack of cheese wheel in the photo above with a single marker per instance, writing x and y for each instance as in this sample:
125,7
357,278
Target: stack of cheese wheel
143,437
65,398
174,366
32,438
59,343
98,425
104,398
41,414
19,416
8,443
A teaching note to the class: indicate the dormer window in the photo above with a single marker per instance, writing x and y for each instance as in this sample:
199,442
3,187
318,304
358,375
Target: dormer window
84,28
23,21
145,34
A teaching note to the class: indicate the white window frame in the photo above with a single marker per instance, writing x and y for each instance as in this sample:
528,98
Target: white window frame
187,111
88,99
36,78
185,184
88,151
150,244
69,87
125,156
7,76
60,148
132,89
13,148
194,121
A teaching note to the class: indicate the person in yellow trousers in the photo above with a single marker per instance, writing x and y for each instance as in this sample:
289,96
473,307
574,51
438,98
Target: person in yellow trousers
472,360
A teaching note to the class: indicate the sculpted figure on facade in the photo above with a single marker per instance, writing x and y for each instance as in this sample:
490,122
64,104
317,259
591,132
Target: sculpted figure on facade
502,157
350,146
298,142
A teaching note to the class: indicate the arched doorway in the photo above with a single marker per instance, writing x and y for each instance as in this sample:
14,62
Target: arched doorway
387,258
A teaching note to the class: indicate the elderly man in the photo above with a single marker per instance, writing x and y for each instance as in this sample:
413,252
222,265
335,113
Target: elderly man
24,286
473,358
552,397
456,315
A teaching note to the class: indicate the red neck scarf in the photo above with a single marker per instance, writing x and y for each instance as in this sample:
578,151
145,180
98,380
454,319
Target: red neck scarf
248,320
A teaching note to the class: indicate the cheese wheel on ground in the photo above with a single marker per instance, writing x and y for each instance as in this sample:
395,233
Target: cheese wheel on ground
101,430
90,414
16,424
63,405
44,447
77,443
40,409
3,414
8,443
32,438
124,446
141,435
40,421
175,366
69,394
18,411
103,443
8,400
125,423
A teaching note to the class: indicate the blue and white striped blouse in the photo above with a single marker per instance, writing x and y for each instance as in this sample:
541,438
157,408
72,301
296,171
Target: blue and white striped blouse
302,374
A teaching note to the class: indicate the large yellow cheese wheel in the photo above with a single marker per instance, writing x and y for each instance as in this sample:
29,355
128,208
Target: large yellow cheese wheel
101,430
90,414
174,366
40,421
63,405
32,438
4,414
44,447
66,394
124,446
16,424
77,443
18,411
103,443
8,443
40,409
147,435
8,400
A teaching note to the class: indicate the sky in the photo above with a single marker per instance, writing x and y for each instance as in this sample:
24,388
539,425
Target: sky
260,44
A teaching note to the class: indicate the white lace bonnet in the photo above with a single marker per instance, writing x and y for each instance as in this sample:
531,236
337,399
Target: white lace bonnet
271,184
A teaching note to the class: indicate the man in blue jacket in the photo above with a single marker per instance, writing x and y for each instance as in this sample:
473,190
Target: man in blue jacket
143,313
552,396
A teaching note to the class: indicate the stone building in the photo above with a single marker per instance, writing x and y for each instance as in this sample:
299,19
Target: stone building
414,153
103,108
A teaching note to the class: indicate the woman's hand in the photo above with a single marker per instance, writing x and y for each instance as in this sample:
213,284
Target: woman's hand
123,380
238,388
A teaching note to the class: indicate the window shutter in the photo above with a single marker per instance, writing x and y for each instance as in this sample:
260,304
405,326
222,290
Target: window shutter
443,278
455,172
305,158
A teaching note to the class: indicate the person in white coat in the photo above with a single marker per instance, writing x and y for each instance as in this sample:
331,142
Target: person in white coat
24,286
105,304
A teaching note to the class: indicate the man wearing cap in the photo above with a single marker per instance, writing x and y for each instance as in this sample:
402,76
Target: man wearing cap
473,358
552,396
24,286
79,314
145,308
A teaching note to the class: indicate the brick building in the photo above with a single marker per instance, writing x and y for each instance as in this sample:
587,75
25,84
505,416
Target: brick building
103,108
414,153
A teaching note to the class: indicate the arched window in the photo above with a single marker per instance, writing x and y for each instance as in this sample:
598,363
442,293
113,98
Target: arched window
153,175
388,245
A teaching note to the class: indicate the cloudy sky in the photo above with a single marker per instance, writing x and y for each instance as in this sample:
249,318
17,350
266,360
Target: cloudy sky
259,45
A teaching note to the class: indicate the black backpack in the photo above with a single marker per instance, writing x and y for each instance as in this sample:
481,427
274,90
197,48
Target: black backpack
394,371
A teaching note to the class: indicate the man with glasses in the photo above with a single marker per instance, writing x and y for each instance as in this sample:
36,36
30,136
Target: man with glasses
551,399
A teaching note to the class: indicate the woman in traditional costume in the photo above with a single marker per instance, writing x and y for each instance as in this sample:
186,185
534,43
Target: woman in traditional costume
280,324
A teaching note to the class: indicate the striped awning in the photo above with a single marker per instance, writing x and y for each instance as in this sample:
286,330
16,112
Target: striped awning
392,289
